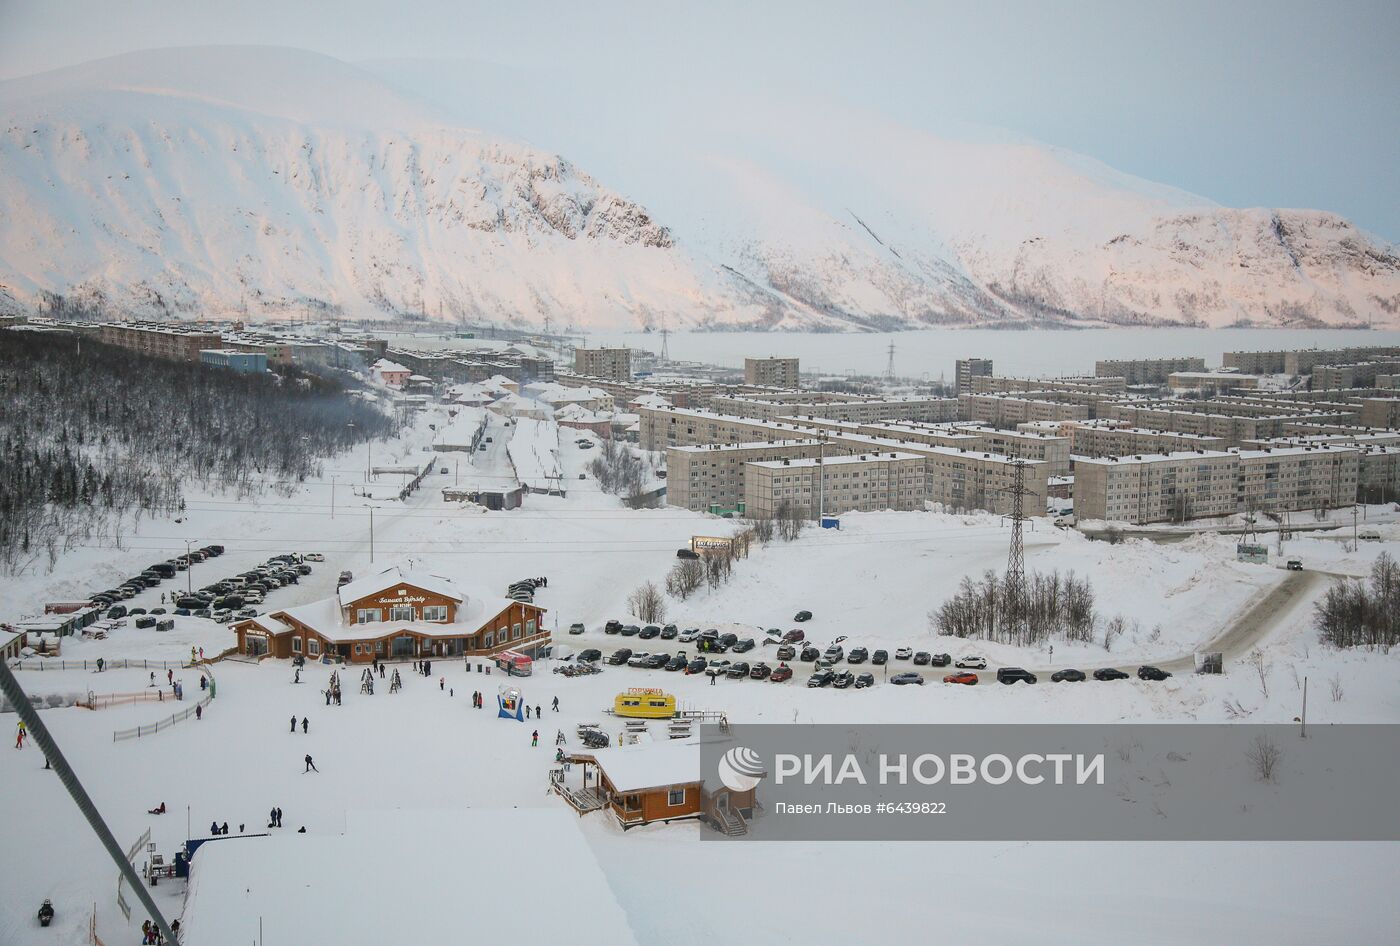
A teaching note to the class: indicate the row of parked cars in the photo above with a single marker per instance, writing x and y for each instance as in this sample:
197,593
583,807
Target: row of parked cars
224,600
1010,675
149,578
680,662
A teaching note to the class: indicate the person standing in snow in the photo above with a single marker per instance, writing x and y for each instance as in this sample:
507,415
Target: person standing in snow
294,725
303,725
537,711
556,704
199,712
535,738
19,736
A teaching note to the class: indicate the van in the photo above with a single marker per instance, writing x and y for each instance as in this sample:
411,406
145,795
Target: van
1369,535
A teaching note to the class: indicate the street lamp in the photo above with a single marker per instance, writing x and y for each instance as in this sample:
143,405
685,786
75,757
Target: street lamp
189,566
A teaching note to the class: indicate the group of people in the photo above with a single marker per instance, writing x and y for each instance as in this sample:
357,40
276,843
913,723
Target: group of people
304,724
425,667
150,932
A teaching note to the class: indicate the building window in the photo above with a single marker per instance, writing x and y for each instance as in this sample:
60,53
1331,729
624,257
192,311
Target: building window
436,612
359,649
530,628
401,613
490,639
296,645
368,616
313,646
515,632
675,797
379,647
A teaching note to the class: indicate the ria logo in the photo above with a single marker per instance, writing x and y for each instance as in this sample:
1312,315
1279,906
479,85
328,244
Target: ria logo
741,769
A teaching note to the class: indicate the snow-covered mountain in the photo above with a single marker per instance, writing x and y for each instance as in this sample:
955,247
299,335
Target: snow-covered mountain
209,180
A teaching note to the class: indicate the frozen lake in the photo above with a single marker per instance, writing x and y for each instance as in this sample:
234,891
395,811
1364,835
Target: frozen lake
1035,353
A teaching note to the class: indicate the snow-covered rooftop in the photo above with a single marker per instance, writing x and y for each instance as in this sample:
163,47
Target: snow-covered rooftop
397,877
390,577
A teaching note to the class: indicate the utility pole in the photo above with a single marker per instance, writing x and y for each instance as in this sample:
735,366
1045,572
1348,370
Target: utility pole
665,343
889,367
821,482
332,497
189,567
371,535
1355,541
1303,720
39,733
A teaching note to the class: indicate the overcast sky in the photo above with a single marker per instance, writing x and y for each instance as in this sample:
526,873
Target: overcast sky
1248,102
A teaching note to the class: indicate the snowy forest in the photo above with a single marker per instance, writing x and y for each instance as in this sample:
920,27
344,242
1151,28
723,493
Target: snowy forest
92,438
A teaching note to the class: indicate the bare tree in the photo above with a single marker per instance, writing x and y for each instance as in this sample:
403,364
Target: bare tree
1336,685
763,530
1262,667
685,578
1264,755
647,603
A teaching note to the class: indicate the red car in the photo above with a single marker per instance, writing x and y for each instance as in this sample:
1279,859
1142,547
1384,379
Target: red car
969,679
794,636
781,673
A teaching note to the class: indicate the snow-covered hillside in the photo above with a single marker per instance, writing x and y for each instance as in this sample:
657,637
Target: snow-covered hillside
206,180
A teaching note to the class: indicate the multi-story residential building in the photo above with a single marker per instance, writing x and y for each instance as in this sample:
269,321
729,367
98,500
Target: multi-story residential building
969,368
1146,370
1050,449
158,340
866,482
1380,412
613,364
1180,486
771,372
1002,410
990,384
1106,441
702,477
859,411
1211,382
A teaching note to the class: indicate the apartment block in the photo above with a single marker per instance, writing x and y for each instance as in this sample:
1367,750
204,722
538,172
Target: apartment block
1095,441
700,477
771,372
1380,412
1000,410
612,364
867,482
1297,478
1146,370
856,411
1211,382
969,368
990,384
158,340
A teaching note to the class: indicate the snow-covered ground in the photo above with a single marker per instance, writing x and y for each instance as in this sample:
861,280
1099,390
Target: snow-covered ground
425,749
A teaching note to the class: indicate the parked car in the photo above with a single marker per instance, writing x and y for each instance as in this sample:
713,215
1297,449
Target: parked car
214,549
619,657
760,671
801,616
728,640
1068,675
904,653
185,612
941,660
965,678
136,611
905,679
612,627
1010,675
922,658
575,628
1295,564
787,652
1148,672
780,673
689,554
843,679
820,679
638,659
116,611
630,630
245,613
864,680
696,666
656,661
345,579
743,646
203,613
157,610
971,662
834,653
589,656
717,668
809,654
677,662
880,658
648,632
1109,673
669,632
314,557
737,671
688,635
794,636
858,655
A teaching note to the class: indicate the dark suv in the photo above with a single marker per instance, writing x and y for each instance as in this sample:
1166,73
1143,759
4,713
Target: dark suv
858,655
619,657
1009,675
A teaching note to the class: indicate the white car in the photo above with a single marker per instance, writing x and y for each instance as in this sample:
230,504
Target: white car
718,669
688,635
252,595
636,660
314,557
971,662
904,653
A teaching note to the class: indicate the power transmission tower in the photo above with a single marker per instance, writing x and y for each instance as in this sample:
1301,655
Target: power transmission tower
889,365
1016,558
665,343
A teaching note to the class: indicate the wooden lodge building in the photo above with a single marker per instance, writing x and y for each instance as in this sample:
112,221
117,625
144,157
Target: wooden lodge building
395,615
649,782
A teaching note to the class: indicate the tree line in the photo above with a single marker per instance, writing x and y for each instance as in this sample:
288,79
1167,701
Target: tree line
94,437
1052,605
1357,613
